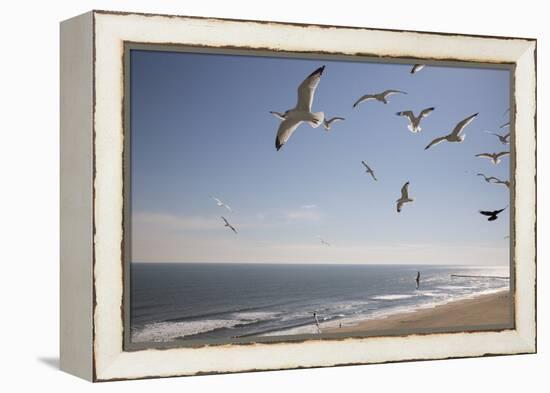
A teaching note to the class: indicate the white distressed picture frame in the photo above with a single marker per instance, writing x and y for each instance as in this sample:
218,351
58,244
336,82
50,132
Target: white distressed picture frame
92,151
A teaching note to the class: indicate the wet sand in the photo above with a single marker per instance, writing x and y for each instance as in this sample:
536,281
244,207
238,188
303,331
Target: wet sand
492,309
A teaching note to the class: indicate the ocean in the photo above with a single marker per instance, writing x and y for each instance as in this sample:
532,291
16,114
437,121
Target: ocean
201,301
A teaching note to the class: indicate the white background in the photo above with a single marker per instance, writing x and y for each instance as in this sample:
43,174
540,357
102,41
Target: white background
29,197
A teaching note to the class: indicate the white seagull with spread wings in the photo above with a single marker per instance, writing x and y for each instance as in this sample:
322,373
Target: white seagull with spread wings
369,170
227,224
494,157
323,241
302,111
220,203
455,135
382,97
414,121
404,197
328,123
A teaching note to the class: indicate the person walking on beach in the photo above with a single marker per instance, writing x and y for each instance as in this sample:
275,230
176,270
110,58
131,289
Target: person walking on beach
316,322
417,280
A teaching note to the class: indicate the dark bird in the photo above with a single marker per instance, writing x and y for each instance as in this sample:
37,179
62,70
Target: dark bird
417,280
227,224
382,97
456,135
493,215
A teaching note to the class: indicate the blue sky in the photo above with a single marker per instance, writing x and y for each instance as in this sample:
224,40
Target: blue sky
200,126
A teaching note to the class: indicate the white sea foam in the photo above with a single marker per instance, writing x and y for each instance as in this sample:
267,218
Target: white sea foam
392,297
307,329
484,292
169,331
432,294
255,315
350,305
454,287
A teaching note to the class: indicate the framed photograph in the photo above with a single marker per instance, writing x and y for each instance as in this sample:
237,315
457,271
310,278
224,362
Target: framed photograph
247,195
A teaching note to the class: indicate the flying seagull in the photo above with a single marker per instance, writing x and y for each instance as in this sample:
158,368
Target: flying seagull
227,224
455,135
327,123
369,170
417,67
494,157
323,241
503,182
220,203
487,179
414,122
493,215
302,111
507,124
404,197
417,280
504,139
382,97
278,115
495,180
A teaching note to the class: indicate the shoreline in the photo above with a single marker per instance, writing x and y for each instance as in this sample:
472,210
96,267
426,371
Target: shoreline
486,309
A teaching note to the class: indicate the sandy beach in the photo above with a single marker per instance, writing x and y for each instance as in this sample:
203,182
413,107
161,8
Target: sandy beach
491,309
